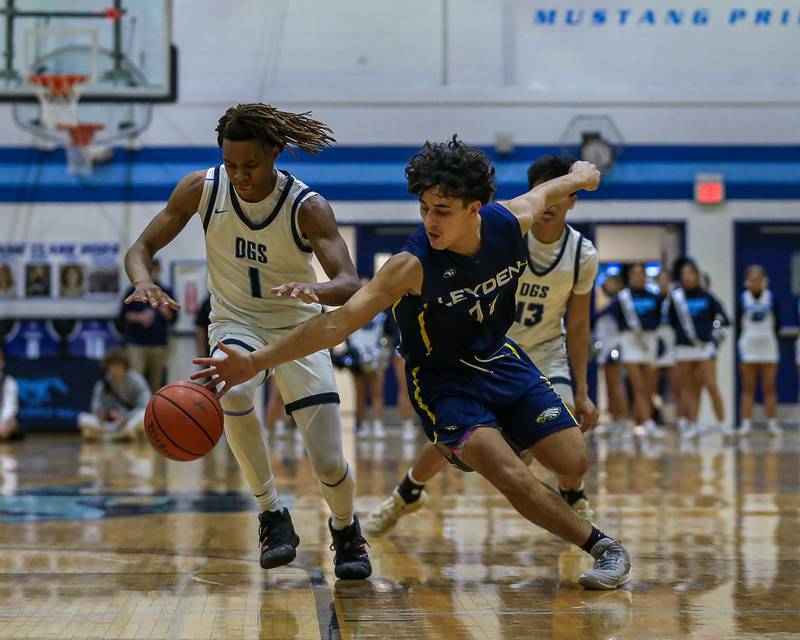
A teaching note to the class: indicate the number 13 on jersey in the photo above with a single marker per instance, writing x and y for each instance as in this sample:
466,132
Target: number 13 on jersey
530,314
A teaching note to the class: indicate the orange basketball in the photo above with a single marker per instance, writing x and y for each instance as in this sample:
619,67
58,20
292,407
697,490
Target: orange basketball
183,421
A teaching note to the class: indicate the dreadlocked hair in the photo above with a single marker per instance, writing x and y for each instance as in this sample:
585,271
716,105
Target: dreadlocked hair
456,169
272,127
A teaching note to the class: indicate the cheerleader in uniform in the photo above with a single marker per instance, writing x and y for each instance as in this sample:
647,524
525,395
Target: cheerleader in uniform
638,315
697,318
758,322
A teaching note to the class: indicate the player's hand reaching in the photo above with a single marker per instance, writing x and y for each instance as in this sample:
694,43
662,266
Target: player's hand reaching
585,412
233,368
150,293
589,173
305,291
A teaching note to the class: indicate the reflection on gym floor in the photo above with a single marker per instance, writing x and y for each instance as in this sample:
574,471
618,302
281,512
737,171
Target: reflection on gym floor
110,541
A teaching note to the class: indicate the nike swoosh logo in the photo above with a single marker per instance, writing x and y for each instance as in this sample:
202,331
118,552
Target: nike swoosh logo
221,210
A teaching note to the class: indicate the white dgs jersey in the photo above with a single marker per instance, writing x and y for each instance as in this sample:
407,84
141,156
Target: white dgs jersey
253,247
554,272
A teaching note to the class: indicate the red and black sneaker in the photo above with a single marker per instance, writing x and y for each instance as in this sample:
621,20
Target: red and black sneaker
351,561
278,538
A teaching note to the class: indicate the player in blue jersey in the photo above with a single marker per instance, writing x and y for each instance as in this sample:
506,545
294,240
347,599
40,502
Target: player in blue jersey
481,400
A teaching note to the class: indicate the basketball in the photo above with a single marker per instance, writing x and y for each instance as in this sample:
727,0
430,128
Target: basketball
183,421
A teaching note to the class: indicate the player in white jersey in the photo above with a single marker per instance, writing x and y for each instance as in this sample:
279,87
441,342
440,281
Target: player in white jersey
758,323
262,226
562,266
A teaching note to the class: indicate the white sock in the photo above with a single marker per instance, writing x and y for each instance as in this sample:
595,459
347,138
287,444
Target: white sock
251,451
746,424
772,423
683,423
268,499
322,429
246,440
340,499
408,424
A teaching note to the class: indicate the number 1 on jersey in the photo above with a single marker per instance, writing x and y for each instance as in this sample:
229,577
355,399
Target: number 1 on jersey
255,282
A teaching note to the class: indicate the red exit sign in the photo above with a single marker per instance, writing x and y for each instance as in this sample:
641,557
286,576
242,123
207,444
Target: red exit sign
709,188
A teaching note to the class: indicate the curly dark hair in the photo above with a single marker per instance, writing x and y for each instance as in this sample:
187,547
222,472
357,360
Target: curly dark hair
548,168
458,170
272,127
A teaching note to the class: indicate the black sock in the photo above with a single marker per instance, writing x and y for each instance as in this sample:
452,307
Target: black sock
594,538
571,496
409,491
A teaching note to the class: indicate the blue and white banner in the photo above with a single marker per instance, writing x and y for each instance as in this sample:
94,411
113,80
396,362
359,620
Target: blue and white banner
669,44
66,279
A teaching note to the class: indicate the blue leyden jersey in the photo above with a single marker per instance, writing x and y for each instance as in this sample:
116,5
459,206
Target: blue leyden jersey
466,306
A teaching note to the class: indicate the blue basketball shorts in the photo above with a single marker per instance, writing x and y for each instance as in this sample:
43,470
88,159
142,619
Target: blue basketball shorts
506,392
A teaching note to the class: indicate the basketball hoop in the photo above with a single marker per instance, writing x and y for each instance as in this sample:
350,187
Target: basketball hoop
59,94
79,149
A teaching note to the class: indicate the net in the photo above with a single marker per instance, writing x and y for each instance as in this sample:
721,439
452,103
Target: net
59,94
79,148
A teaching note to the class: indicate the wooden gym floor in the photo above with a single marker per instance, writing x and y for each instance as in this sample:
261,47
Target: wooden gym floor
111,541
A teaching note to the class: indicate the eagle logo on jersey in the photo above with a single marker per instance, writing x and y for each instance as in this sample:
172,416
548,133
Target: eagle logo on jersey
449,273
548,414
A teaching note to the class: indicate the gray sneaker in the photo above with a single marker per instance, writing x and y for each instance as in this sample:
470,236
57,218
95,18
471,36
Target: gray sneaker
612,566
384,517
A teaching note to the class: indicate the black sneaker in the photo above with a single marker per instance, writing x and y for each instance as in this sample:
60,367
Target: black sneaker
351,561
278,538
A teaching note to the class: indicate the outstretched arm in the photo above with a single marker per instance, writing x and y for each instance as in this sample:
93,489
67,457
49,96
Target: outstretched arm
402,274
162,229
578,353
317,223
530,206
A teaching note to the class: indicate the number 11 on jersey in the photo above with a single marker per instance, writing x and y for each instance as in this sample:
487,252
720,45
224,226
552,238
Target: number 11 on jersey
478,312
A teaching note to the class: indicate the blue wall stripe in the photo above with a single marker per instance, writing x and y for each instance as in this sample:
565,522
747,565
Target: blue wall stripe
158,195
210,155
376,173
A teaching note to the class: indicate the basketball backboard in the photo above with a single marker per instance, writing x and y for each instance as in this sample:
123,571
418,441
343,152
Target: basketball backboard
123,46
